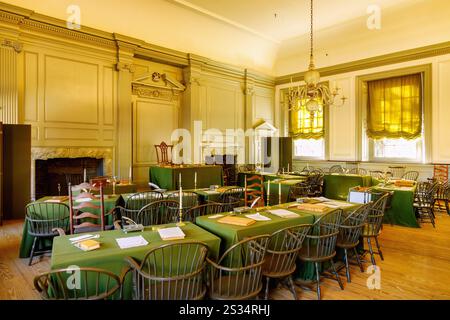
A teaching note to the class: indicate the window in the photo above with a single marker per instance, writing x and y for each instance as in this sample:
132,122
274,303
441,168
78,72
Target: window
307,130
395,118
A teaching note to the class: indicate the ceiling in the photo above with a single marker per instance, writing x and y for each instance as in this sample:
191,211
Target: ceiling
270,36
279,20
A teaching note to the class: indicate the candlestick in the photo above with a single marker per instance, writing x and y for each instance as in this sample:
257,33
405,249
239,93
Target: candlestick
130,175
268,192
195,180
181,223
84,175
279,193
114,181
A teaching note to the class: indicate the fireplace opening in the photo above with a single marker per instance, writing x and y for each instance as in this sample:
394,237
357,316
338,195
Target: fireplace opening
53,175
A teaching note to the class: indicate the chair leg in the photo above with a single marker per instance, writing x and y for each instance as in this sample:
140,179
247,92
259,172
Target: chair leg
292,287
266,295
347,268
431,215
358,260
379,249
32,251
337,275
369,243
316,266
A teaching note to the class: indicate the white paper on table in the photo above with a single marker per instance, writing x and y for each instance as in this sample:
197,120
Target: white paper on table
215,216
211,192
53,200
171,233
322,199
131,242
339,204
284,213
81,237
357,197
258,217
83,200
330,205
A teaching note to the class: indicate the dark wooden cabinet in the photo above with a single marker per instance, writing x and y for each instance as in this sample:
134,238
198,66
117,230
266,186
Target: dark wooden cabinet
15,183
283,148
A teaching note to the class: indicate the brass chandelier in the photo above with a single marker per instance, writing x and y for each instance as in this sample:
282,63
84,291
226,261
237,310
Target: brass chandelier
315,94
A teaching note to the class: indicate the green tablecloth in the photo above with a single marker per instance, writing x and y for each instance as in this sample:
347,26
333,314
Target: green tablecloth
111,257
336,186
167,177
27,240
274,190
401,211
268,176
231,234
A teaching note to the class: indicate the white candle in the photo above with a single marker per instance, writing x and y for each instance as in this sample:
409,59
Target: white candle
268,191
130,174
195,180
288,168
84,175
181,198
279,193
179,180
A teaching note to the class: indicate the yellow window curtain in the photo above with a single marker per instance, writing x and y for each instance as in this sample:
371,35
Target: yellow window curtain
305,125
394,108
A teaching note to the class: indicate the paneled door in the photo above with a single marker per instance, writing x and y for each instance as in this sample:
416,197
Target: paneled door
154,120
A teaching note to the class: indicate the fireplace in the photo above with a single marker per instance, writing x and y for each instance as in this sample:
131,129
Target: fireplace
61,161
53,175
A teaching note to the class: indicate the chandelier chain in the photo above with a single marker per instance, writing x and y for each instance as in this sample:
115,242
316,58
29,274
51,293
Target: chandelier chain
311,29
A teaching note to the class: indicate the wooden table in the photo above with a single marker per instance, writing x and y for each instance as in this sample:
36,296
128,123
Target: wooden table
111,257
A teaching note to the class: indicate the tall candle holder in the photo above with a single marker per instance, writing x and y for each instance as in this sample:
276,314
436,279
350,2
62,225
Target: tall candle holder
180,210
268,192
114,183
279,193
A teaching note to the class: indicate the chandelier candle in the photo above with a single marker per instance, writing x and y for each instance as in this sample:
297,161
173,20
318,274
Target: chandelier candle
84,175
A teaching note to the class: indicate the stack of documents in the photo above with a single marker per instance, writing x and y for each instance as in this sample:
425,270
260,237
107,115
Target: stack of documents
282,213
174,233
258,217
131,242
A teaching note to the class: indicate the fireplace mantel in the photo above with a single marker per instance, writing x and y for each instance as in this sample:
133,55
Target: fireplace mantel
45,153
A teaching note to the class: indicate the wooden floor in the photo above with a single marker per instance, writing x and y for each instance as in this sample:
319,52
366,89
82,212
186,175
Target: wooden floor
416,266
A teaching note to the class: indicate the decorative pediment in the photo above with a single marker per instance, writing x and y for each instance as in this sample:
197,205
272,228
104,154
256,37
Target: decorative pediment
160,86
264,126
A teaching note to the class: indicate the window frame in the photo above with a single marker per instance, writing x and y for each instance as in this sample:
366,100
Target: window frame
365,145
326,126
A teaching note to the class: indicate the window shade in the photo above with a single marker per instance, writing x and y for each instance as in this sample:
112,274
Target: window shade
394,108
304,125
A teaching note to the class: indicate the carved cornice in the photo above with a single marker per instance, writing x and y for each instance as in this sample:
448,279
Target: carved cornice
387,59
66,33
155,93
124,66
29,23
17,46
